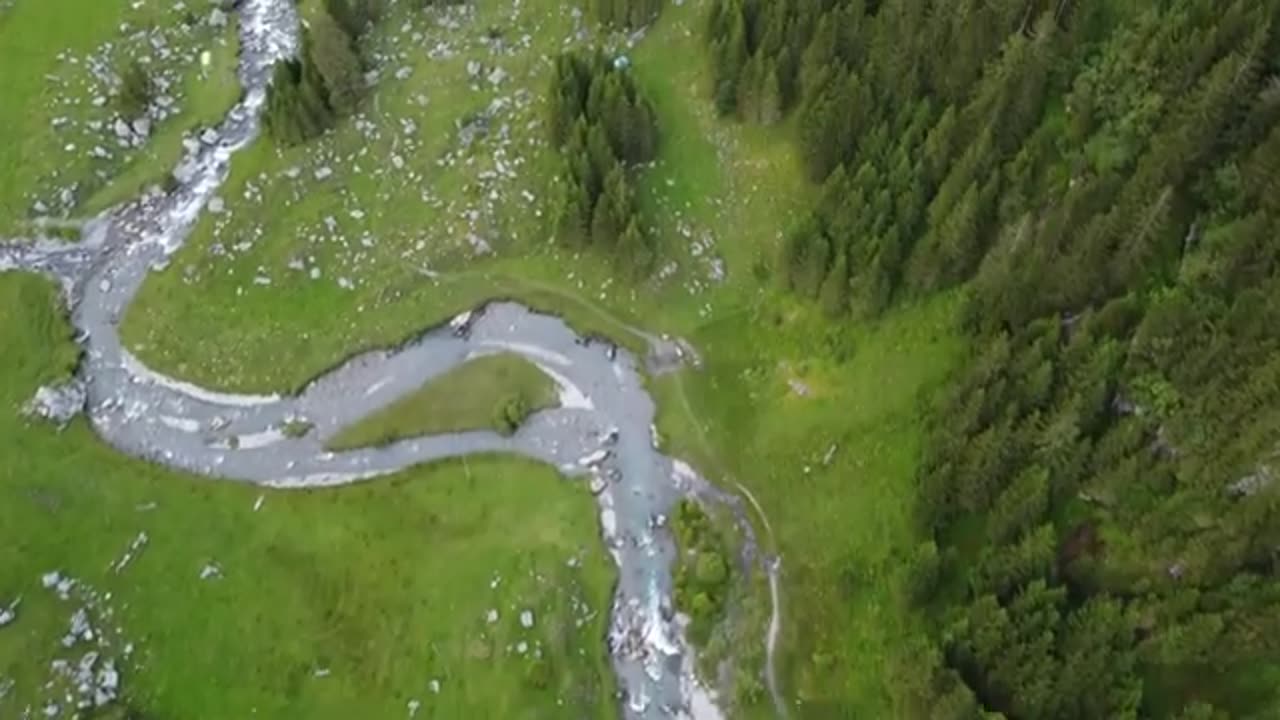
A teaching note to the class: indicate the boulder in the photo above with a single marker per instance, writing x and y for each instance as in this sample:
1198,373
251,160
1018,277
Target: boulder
58,403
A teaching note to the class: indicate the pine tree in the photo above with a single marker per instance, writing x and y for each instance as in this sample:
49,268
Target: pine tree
818,123
1262,172
634,251
1021,506
336,63
815,265
819,56
730,59
604,224
136,90
348,14
948,249
834,295
770,97
571,214
642,132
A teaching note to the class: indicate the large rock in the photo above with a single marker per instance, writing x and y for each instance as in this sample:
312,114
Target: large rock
58,403
10,613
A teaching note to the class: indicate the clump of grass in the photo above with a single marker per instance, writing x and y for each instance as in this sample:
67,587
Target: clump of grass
296,427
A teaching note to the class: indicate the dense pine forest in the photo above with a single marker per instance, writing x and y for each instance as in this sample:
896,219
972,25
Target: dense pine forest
1099,512
605,130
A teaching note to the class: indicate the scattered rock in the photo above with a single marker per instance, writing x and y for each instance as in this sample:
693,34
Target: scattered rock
594,459
526,619
9,614
831,454
108,683
81,629
135,548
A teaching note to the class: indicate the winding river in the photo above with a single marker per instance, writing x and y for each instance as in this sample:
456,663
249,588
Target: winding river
602,429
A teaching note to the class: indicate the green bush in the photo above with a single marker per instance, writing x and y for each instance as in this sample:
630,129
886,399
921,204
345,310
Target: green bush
703,575
136,90
510,413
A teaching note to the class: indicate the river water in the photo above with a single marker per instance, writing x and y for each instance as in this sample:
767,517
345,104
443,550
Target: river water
602,432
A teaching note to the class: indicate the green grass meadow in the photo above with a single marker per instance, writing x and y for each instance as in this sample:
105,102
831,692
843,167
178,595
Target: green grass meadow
332,604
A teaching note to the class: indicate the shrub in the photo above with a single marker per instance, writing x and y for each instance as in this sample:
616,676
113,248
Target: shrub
136,90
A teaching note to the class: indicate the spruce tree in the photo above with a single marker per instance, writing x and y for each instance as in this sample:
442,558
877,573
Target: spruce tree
336,63
834,295
770,110
634,251
347,14
136,90
604,223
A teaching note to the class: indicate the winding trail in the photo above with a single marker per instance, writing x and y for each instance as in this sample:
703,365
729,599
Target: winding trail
603,430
